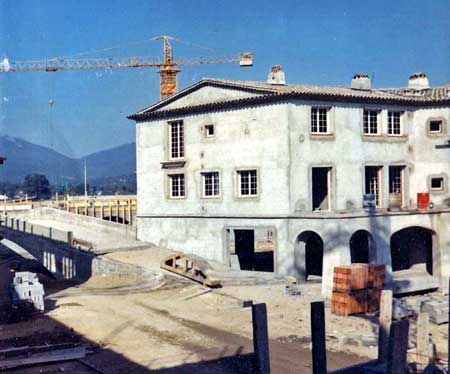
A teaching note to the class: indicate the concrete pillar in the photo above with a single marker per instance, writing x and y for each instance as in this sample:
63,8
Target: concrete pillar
70,237
423,339
261,338
319,350
300,260
398,346
385,322
130,220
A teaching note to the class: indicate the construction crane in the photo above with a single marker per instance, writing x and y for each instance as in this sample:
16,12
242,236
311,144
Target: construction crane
167,68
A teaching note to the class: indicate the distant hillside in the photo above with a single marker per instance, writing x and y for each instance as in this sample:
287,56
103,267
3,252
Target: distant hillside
25,158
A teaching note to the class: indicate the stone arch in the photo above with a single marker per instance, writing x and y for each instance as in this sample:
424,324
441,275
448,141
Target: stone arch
414,246
308,254
362,247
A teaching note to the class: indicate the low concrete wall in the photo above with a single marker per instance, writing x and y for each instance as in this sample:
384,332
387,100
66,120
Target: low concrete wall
52,249
43,231
107,227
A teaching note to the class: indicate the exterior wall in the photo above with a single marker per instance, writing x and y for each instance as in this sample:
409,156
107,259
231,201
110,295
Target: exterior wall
427,160
246,138
206,236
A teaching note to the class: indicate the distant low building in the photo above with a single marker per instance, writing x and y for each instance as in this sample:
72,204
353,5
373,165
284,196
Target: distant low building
298,179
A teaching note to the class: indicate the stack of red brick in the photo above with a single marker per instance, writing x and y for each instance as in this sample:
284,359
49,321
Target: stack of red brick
357,288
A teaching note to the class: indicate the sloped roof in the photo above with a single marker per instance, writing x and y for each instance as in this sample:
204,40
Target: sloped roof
270,92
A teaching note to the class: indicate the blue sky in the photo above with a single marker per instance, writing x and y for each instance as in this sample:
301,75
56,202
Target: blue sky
317,42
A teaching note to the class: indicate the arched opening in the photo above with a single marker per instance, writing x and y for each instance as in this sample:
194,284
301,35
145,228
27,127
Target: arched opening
412,248
362,247
308,254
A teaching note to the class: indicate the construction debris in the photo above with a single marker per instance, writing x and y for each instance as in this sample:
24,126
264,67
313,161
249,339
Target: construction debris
24,356
26,289
192,267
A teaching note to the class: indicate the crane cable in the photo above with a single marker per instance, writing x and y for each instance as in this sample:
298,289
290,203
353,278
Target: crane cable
190,44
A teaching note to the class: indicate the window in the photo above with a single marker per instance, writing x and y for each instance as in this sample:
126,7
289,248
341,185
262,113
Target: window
437,184
211,184
370,122
396,186
176,186
319,121
394,123
248,182
176,140
395,179
321,182
209,131
435,127
373,182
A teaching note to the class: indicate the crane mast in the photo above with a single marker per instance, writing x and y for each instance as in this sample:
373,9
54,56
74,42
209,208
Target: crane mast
168,72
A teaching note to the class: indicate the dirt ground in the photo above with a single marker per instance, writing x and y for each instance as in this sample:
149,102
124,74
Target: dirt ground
183,327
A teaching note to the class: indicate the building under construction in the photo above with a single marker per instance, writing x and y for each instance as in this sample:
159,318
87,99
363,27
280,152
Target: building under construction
299,179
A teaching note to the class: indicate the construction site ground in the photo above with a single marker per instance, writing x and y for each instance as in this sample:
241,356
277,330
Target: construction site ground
183,327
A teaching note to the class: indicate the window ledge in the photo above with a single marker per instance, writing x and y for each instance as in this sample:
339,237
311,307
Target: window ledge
322,136
175,164
385,138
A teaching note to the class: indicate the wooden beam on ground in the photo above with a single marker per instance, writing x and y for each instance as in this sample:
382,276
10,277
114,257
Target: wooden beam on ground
319,350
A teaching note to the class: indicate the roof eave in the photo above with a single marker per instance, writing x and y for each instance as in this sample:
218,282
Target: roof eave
277,97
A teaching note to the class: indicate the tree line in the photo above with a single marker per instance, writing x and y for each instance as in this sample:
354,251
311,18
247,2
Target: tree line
37,186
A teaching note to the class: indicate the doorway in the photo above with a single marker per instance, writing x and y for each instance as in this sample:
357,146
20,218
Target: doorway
321,180
253,254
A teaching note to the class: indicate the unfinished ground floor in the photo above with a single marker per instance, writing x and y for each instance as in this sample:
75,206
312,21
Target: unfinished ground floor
415,246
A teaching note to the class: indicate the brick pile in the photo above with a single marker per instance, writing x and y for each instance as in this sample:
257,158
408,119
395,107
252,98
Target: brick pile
357,288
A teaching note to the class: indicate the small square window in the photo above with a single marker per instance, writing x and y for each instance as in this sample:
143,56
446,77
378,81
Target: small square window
435,127
209,131
437,184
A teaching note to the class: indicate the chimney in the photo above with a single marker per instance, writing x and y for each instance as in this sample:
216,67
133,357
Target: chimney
361,81
276,75
418,81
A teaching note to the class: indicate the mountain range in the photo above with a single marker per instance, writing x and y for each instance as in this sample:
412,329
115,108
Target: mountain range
24,158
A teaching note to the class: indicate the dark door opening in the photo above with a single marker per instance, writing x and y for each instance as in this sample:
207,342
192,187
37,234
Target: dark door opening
248,258
308,254
412,246
361,244
321,188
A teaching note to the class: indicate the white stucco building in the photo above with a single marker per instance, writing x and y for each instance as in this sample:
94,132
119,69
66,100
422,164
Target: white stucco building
299,178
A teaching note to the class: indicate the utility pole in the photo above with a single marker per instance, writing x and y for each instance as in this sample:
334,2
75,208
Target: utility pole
85,181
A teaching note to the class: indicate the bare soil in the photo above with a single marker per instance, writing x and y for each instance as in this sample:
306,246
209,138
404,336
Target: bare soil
182,327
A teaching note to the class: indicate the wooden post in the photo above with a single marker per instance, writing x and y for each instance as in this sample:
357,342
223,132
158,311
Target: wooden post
398,347
319,350
423,342
260,338
385,321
